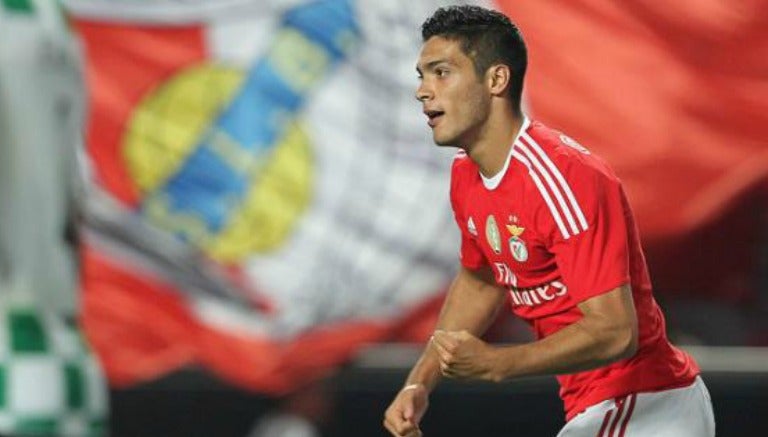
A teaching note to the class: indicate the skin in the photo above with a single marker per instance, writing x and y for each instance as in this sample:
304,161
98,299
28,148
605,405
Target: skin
476,115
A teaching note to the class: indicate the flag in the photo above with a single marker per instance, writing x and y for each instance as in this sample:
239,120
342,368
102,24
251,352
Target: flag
664,100
265,198
674,97
50,382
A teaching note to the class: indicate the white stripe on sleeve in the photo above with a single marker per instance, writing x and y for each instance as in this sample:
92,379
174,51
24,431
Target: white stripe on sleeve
553,187
547,199
563,183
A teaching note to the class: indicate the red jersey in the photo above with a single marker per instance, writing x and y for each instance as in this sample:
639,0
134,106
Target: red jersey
556,228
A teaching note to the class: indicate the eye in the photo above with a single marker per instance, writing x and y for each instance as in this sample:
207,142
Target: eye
441,72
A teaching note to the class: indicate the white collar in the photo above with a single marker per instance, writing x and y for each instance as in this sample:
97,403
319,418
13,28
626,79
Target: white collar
491,183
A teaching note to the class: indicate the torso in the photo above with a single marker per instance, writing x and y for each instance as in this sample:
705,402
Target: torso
556,229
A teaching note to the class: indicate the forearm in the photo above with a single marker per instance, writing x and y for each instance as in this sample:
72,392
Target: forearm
571,349
471,304
426,371
593,341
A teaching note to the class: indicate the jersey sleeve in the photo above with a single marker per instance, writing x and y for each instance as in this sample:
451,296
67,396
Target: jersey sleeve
470,254
589,235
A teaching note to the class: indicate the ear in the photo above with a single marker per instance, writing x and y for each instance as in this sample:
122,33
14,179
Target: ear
498,78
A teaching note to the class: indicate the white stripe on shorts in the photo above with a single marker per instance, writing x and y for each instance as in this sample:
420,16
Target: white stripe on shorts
678,412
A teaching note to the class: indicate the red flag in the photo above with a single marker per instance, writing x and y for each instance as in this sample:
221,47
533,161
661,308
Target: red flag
673,96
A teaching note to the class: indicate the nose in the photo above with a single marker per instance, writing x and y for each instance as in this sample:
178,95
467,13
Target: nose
423,93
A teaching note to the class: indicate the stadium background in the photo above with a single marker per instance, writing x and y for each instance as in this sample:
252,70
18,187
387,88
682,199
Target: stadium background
237,204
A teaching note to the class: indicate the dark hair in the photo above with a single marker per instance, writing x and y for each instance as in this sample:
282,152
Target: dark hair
486,36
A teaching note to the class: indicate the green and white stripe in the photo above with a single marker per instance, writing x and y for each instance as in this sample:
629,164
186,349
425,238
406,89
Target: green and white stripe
17,5
50,384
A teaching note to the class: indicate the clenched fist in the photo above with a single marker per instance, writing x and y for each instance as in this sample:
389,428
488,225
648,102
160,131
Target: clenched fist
404,414
464,356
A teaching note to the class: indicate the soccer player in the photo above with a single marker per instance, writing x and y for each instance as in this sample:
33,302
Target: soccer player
545,227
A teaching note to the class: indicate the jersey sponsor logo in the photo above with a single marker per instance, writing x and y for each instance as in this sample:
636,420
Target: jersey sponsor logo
492,234
471,227
516,244
570,142
504,275
553,187
537,295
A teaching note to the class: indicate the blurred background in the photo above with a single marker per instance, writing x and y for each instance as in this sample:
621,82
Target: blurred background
227,217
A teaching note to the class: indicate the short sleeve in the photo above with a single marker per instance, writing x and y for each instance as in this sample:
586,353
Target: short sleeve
590,243
470,254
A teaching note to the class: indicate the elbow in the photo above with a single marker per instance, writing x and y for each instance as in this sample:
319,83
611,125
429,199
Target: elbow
624,344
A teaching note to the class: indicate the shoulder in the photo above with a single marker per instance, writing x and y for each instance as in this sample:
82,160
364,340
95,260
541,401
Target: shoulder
461,163
551,154
463,170
568,181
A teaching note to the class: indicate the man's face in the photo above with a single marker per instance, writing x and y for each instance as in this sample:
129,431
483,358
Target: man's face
454,99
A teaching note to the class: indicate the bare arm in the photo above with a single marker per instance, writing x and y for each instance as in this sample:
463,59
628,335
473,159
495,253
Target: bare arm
606,333
472,303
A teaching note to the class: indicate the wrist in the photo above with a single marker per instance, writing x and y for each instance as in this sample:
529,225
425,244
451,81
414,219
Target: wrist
418,385
414,386
497,364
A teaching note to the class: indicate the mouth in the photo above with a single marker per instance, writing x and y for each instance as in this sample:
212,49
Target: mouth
433,117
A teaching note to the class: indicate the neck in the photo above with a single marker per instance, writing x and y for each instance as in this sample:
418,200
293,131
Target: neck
491,148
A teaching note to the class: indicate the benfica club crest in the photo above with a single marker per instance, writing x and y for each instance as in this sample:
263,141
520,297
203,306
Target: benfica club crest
517,245
492,234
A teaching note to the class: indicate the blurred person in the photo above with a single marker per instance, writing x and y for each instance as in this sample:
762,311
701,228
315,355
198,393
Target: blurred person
285,424
547,229
302,413
50,383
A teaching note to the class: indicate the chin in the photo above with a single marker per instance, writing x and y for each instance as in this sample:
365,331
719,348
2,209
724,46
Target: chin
445,142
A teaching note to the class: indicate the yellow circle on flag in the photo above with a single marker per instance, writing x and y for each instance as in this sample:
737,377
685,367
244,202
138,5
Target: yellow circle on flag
164,130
